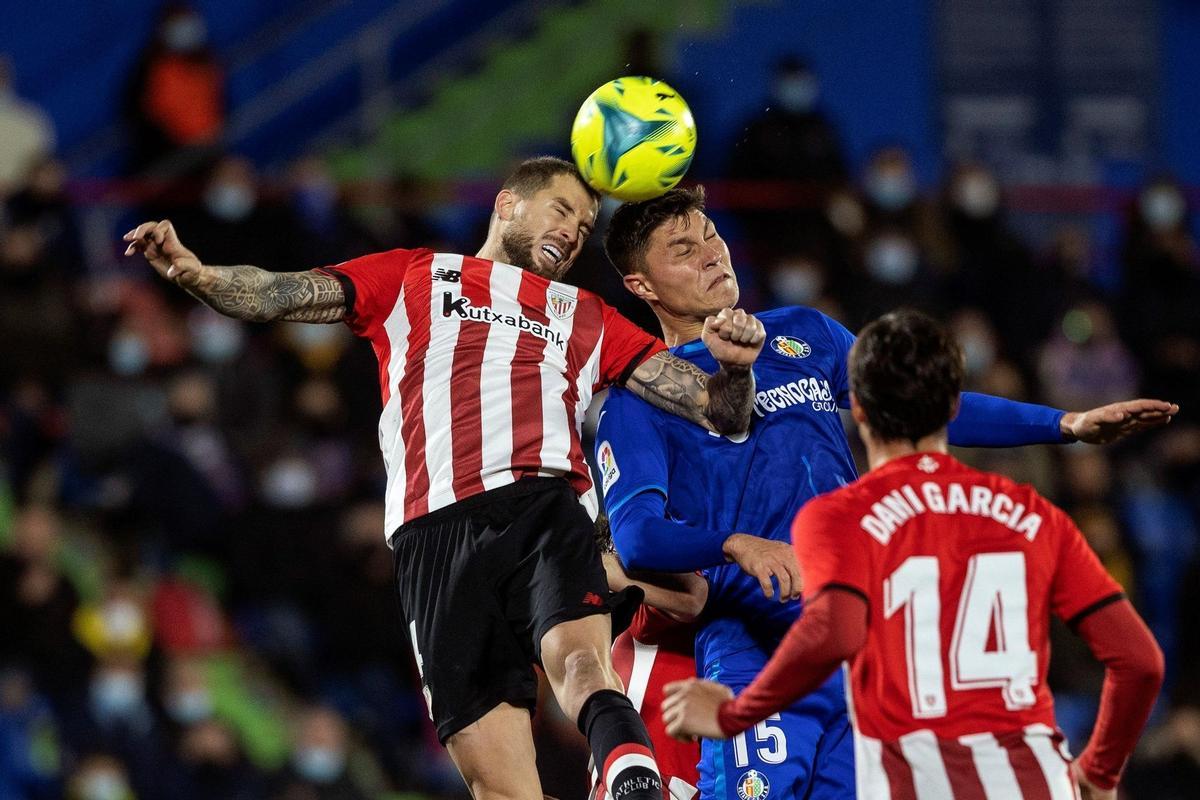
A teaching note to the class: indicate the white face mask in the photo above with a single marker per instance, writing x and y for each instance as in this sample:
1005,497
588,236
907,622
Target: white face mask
127,354
319,764
797,94
231,202
977,196
797,283
103,786
290,483
189,706
891,190
892,260
185,34
1162,207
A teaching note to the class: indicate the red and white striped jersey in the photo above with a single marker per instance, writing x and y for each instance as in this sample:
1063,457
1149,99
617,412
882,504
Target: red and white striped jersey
485,370
961,571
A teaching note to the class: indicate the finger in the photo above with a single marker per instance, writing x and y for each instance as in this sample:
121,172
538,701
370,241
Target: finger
760,333
677,686
764,580
785,584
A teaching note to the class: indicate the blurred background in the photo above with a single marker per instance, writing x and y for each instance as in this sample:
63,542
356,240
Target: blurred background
195,598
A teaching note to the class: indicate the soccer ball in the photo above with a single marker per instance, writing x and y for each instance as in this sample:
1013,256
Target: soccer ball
633,138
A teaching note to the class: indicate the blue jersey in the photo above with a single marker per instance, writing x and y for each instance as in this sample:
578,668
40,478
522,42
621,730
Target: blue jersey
754,483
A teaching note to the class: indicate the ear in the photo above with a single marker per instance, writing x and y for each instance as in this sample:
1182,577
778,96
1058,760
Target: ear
856,411
506,203
956,408
639,285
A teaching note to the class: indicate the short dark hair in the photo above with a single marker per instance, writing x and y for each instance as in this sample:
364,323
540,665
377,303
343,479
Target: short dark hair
906,372
633,224
534,174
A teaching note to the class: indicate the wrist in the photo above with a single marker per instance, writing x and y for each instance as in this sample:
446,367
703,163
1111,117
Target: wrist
1066,426
727,718
734,367
732,545
1084,770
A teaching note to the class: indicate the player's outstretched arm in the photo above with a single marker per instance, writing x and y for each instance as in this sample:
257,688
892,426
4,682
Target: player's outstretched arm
241,292
722,402
1116,420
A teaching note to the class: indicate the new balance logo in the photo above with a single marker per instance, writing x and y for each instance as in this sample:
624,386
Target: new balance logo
447,275
461,307
593,599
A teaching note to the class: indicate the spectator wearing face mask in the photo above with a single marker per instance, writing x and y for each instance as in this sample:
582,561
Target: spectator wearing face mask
177,97
893,200
234,223
790,143
26,134
1161,294
100,777
317,769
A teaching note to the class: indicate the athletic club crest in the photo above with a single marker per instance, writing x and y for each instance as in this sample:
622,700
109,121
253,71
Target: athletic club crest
561,305
753,786
791,347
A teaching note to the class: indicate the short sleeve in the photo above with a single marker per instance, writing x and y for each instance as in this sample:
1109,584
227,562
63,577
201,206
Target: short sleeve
371,284
631,454
827,557
1081,584
625,347
842,340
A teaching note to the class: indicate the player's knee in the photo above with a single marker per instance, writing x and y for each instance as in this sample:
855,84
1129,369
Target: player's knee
584,673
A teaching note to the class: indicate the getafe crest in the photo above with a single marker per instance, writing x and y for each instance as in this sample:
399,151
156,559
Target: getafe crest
791,347
561,305
753,786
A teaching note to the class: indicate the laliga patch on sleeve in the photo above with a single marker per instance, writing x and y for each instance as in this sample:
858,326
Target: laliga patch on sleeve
607,461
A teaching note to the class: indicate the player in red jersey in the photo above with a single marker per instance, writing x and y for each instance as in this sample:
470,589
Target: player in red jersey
937,582
486,364
658,648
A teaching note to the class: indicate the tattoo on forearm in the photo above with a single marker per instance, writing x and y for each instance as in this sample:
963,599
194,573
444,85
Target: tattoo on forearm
673,385
731,400
253,294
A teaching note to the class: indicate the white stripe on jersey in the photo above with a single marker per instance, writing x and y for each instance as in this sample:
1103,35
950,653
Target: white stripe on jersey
435,390
870,779
396,328
639,675
1052,762
495,394
923,755
991,762
556,433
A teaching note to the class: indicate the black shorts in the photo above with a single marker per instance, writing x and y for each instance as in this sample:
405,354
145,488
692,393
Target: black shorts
482,580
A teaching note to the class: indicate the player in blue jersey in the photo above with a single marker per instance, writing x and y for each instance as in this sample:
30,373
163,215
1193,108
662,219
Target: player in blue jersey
682,499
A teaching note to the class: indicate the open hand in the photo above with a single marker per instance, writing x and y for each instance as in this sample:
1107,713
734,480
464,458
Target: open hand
764,559
734,338
159,243
1117,420
690,708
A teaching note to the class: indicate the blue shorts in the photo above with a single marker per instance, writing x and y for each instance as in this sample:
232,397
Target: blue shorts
806,752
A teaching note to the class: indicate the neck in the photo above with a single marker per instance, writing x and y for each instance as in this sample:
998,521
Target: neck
879,453
677,330
492,250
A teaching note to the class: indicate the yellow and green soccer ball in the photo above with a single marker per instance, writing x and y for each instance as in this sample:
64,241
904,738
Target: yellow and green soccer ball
633,138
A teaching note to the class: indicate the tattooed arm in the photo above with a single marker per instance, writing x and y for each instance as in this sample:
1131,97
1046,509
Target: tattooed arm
244,292
721,402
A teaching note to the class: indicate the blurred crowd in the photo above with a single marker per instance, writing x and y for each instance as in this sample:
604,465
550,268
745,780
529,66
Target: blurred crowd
194,590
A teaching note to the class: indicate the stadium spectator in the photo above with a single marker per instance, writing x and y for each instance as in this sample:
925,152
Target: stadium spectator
1085,362
30,752
177,97
26,134
100,777
1161,294
318,766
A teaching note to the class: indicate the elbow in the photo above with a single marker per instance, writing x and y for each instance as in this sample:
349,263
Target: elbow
1152,669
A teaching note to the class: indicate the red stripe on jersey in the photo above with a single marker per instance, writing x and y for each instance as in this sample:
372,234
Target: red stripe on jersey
527,429
899,773
418,288
1028,770
382,346
466,416
588,324
960,769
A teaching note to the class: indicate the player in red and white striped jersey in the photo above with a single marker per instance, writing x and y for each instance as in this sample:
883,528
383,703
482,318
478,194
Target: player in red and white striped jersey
486,365
938,582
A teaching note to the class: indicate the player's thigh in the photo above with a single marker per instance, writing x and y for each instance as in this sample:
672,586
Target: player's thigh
775,759
496,757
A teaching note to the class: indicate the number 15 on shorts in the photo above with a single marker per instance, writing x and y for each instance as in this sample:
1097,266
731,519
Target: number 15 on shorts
770,744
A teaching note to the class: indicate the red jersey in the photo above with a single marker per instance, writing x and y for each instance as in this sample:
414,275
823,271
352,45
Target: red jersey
961,570
485,370
654,651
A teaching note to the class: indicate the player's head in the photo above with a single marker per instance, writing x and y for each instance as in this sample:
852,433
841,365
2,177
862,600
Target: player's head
669,253
906,373
542,216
